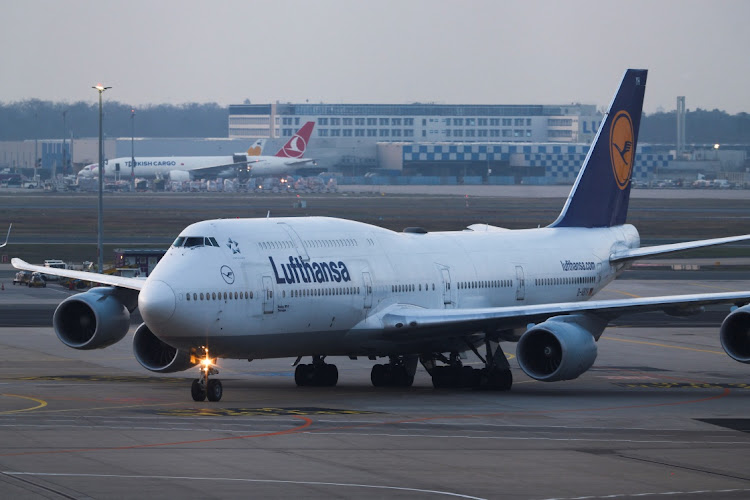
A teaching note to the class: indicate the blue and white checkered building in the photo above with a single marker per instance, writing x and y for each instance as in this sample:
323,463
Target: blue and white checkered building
561,162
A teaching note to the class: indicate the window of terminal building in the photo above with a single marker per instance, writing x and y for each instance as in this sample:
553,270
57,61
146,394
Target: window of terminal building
408,133
494,133
482,122
518,133
359,121
372,121
287,132
396,121
296,121
383,132
458,122
518,122
507,122
396,132
348,121
424,122
470,133
384,121
359,132
323,132
507,133
335,132
471,122
371,132
408,122
482,133
347,132
335,121
458,133
528,133
322,121
494,122
286,120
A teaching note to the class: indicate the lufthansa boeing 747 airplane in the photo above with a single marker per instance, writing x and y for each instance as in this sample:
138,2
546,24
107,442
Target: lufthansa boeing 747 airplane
320,287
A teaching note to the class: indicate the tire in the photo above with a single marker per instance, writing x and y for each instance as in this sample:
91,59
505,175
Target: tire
331,375
301,375
214,390
196,391
377,375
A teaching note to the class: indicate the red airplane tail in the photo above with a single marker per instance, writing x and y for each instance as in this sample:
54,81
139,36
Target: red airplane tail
296,146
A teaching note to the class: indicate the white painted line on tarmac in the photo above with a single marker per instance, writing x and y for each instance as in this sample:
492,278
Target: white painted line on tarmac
245,480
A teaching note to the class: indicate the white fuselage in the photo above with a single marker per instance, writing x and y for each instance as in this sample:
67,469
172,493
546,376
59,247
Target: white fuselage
162,166
305,286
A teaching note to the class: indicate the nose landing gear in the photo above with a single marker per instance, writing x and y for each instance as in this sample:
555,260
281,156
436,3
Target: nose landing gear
202,387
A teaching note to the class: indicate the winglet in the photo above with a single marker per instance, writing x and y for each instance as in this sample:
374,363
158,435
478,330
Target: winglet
296,146
601,194
8,236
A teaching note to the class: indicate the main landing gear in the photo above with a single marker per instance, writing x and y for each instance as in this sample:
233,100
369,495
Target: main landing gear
202,387
399,372
496,374
317,374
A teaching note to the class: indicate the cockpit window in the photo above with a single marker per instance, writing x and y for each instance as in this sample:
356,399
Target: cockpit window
179,241
215,243
194,241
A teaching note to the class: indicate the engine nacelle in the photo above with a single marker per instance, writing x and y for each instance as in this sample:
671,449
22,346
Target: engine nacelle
561,348
94,319
157,356
179,175
735,334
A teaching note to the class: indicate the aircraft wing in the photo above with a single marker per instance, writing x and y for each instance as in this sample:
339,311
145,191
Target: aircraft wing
299,161
639,253
402,319
7,236
105,279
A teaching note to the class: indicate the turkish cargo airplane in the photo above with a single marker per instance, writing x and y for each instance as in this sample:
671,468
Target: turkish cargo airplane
184,168
319,287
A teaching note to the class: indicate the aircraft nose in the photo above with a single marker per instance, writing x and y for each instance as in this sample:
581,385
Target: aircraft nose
156,302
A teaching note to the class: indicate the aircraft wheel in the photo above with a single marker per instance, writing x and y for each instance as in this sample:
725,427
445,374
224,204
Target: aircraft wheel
331,375
196,391
377,375
214,390
302,375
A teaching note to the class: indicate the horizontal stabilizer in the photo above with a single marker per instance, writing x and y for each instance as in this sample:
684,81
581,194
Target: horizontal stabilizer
639,253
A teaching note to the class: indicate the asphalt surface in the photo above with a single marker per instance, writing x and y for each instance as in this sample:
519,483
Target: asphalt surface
663,413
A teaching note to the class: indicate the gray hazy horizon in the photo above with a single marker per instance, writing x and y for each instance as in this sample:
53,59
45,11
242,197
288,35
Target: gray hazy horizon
387,51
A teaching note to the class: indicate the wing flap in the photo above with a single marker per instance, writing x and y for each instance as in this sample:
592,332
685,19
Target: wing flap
105,279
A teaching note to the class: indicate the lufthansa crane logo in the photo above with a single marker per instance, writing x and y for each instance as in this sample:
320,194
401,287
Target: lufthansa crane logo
621,149
296,147
227,274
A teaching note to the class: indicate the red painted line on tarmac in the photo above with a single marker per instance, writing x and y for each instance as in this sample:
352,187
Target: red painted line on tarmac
307,423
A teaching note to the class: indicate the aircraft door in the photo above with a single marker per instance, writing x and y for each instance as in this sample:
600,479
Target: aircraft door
521,284
599,272
447,295
267,295
300,247
367,281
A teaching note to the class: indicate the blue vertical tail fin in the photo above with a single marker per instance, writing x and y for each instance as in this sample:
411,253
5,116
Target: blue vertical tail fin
601,193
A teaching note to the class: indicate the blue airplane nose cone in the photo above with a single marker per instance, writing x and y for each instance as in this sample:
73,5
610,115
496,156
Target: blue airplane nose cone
156,302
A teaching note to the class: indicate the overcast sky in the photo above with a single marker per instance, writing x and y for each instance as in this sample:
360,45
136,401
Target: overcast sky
376,51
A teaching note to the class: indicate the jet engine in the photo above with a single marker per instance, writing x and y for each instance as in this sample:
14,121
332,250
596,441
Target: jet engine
94,319
561,348
179,176
735,334
157,356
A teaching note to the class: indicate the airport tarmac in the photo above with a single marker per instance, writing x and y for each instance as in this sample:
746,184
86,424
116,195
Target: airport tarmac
663,412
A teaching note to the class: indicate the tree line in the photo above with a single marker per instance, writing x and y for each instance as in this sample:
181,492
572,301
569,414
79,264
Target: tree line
36,119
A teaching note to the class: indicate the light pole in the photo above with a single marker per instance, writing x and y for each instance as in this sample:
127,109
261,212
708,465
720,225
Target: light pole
99,249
